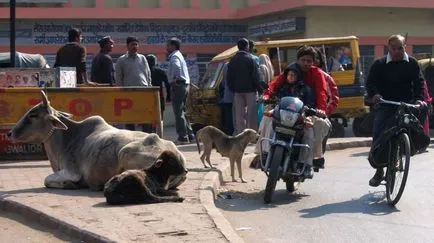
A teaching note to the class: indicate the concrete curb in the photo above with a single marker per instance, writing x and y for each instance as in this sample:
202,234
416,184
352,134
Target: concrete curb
208,189
214,179
51,222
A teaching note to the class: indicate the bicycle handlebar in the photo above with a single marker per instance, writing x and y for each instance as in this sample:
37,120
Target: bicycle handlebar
389,102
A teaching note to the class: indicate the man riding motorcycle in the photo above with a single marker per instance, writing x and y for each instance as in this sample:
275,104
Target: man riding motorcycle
395,77
314,78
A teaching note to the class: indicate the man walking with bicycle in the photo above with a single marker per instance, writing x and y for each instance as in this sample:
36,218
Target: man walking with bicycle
395,77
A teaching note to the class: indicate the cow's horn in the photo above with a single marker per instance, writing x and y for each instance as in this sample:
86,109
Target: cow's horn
44,99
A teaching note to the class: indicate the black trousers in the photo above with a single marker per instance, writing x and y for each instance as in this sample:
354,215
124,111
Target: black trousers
227,118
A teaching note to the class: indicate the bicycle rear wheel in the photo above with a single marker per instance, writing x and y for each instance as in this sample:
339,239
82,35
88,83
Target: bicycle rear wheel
397,170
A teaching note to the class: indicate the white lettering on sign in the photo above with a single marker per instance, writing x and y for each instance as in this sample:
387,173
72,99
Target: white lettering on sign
24,148
287,25
56,32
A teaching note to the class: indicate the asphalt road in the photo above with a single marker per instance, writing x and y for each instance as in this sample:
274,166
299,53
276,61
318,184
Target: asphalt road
336,206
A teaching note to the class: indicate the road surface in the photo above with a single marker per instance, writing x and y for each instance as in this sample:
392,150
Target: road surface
14,228
336,206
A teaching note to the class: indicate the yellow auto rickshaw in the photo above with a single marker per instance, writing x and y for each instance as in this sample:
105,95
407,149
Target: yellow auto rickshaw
203,102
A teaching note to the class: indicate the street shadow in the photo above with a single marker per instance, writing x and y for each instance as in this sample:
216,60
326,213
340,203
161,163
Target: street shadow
244,201
361,154
201,170
62,192
5,167
188,148
371,203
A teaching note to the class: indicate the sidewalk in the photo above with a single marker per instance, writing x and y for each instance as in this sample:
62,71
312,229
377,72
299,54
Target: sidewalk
85,215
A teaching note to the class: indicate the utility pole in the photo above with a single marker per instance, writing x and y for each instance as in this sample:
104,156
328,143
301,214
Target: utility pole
12,20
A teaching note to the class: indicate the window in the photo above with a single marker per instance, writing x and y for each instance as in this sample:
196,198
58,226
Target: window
209,4
367,58
180,4
418,49
83,3
149,3
202,62
422,51
116,3
210,78
35,3
236,4
338,57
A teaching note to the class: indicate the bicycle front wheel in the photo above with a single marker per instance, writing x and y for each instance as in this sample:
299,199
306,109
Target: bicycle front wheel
397,170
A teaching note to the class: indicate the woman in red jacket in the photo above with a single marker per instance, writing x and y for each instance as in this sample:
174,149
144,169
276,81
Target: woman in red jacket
332,88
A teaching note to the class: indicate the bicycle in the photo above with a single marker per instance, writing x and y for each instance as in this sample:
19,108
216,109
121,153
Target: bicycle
398,159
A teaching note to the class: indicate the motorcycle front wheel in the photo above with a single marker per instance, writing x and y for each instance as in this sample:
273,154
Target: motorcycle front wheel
274,172
292,185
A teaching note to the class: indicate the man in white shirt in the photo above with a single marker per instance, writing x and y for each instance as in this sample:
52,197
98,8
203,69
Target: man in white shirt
132,70
179,80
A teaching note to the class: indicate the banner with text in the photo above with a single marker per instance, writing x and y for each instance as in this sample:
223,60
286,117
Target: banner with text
56,32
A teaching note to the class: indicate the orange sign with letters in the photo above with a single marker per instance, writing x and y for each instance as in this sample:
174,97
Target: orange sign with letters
115,105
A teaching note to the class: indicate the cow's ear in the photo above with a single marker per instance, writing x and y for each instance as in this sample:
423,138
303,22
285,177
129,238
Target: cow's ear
56,123
65,114
45,101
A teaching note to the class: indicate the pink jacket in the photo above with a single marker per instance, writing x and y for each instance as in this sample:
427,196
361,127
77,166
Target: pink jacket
427,97
333,94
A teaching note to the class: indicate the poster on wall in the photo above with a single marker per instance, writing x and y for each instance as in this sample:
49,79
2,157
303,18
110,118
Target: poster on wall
26,77
66,77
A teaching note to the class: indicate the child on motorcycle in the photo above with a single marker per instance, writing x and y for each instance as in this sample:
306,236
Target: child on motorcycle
290,84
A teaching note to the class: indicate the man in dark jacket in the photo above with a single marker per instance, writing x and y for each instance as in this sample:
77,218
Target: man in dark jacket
73,54
102,65
243,81
395,77
159,77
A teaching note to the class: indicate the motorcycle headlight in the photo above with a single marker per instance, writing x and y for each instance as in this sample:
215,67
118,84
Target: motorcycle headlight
288,118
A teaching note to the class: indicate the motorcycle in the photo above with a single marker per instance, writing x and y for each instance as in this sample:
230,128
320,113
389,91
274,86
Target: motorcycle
289,120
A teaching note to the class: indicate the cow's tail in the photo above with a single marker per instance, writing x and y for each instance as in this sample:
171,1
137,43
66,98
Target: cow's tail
197,141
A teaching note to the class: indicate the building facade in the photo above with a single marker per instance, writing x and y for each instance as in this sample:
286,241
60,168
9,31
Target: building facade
208,27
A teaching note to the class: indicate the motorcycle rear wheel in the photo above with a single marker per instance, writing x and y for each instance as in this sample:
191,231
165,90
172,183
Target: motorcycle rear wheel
274,172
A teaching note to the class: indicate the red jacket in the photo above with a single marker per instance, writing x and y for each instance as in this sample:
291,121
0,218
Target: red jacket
273,87
333,94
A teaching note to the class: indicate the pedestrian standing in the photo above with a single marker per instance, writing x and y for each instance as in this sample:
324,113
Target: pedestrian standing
73,54
226,104
132,70
159,77
243,81
102,65
179,80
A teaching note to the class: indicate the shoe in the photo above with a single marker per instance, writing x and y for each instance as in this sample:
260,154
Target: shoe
377,178
181,141
264,157
308,173
319,163
192,138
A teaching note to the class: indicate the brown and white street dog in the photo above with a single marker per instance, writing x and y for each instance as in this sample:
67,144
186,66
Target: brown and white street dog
231,147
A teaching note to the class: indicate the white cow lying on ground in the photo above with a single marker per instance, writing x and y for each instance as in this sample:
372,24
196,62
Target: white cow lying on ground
89,152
